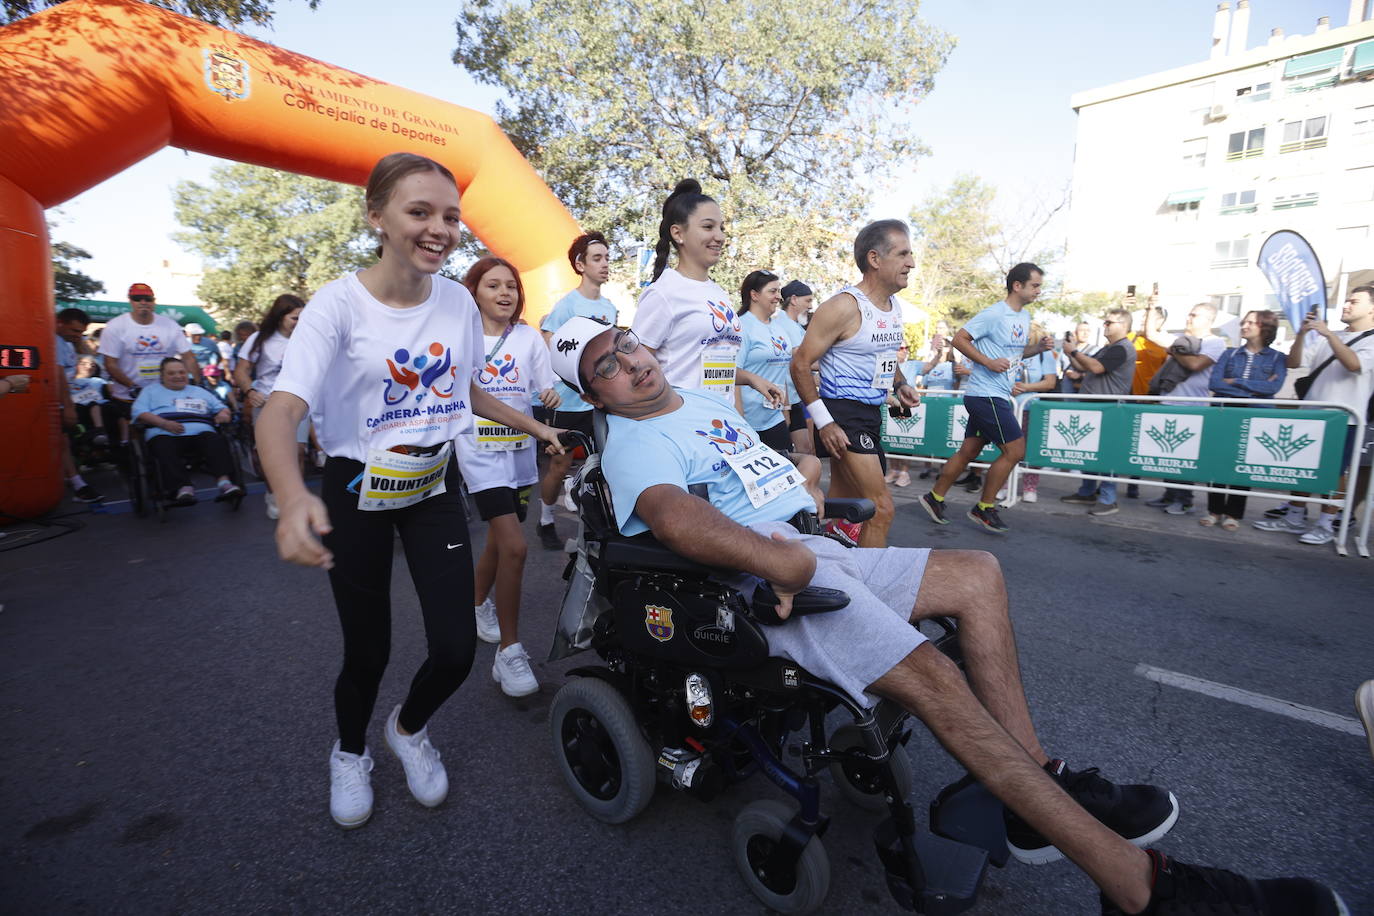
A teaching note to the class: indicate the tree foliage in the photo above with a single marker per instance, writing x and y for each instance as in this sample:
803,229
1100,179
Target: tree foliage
69,283
786,111
262,233
216,12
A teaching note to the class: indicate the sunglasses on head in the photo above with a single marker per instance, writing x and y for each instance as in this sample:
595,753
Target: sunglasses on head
140,298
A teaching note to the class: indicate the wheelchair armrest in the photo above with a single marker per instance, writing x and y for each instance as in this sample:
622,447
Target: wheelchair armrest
643,553
851,510
811,600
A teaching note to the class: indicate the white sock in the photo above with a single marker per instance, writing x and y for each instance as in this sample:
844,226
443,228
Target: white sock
545,513
76,481
1297,513
1326,520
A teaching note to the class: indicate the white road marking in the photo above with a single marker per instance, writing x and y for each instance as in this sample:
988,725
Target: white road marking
1254,700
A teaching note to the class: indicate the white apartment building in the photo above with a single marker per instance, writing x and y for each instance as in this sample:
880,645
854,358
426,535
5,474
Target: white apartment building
1180,176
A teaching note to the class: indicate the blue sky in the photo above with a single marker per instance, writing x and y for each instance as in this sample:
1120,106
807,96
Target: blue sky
1000,108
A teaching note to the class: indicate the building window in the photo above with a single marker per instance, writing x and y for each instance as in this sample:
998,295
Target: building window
1362,124
1195,153
1257,93
1232,253
1301,135
1293,201
1313,71
1228,303
1359,185
1245,144
1234,202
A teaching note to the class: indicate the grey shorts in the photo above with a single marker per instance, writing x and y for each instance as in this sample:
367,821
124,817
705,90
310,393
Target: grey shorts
855,646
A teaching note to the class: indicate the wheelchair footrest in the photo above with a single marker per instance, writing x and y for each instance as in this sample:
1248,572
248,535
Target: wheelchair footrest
967,812
943,880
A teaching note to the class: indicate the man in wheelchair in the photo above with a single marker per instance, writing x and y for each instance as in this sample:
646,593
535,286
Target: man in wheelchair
180,419
663,442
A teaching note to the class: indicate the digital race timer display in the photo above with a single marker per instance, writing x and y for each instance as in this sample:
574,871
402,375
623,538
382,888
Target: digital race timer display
12,357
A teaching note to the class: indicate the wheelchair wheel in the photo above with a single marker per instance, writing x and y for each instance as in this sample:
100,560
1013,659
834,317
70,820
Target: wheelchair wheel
603,757
798,889
861,784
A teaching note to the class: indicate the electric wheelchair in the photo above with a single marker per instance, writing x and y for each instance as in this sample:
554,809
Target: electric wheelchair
148,493
688,697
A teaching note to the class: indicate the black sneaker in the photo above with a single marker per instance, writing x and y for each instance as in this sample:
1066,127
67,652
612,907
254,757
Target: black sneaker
548,537
935,508
88,494
1181,889
1277,511
1078,499
989,519
1141,814
974,485
1132,491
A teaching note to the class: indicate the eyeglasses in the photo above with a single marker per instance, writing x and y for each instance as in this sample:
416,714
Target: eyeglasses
140,298
609,365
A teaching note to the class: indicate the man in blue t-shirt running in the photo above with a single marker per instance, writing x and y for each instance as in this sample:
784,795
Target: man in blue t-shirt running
662,440
994,342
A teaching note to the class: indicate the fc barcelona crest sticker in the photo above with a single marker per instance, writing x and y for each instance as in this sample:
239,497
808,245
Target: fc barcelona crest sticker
225,74
659,622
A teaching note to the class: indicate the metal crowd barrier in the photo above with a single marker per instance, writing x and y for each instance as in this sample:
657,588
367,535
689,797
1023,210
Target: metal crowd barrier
935,432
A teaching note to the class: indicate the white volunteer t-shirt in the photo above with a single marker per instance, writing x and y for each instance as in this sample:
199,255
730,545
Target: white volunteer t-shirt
1337,383
517,369
694,330
376,376
266,360
139,349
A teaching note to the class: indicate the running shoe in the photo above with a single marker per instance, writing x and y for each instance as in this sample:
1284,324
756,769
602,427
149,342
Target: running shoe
88,494
974,485
425,774
847,533
1078,499
548,537
1030,496
1277,511
1364,707
512,671
271,500
227,491
989,519
488,629
1178,508
1102,509
1179,889
1284,524
1317,534
350,787
935,508
902,479
1141,814
186,496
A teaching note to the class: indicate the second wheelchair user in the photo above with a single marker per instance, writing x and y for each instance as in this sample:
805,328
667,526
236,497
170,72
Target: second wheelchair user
173,442
661,440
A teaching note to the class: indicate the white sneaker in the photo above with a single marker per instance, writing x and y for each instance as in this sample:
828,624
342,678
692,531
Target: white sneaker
1002,494
1030,496
567,495
425,775
1318,534
512,671
488,629
1286,524
272,511
350,787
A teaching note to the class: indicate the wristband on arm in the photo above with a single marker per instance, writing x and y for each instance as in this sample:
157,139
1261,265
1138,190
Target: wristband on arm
819,414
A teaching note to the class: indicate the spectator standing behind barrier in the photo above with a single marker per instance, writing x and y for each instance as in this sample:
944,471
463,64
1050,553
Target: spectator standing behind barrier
1151,352
1188,373
1252,370
259,363
1342,370
1108,371
1038,373
792,318
994,341
173,442
943,372
1070,378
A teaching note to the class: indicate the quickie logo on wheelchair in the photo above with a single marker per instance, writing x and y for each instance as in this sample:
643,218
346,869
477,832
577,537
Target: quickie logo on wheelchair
726,438
420,376
502,367
659,622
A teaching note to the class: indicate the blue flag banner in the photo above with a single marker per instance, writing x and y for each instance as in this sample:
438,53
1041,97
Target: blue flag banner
1290,265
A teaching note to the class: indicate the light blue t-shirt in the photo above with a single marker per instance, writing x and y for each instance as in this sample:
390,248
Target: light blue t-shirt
684,448
766,351
1033,369
155,398
998,332
66,357
795,332
941,376
575,305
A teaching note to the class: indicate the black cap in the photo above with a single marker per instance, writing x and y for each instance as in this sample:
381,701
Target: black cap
795,288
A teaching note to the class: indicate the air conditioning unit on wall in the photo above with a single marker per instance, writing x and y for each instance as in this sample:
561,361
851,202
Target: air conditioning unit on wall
1218,113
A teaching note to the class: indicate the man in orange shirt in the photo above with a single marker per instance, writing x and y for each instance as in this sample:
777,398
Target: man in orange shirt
1150,354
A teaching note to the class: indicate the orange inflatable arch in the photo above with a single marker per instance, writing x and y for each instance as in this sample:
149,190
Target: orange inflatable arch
90,87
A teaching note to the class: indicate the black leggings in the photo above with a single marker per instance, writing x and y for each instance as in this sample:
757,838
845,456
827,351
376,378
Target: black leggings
172,452
434,535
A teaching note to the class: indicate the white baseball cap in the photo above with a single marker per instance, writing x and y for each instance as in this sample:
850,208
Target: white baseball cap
567,344
194,328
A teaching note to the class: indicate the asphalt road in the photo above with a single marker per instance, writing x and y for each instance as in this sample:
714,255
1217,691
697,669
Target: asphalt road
166,699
